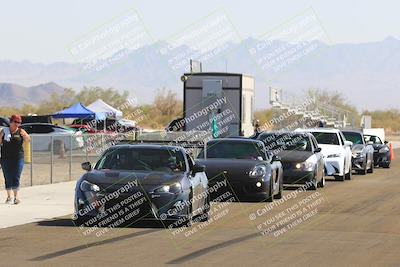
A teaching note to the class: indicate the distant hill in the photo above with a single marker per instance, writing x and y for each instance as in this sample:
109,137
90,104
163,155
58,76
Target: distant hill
367,73
17,95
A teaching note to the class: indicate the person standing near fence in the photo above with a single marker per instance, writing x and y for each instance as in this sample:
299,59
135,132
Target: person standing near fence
12,156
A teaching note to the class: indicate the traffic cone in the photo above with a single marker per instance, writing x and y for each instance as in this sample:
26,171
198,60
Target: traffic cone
391,152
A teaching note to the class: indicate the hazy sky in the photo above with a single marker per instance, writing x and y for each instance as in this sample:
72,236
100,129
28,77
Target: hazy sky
40,30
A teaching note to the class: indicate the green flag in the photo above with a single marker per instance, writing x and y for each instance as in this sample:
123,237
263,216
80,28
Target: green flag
214,127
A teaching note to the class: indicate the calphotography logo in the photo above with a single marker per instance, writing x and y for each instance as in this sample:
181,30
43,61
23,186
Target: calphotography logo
110,43
293,42
205,40
213,214
286,215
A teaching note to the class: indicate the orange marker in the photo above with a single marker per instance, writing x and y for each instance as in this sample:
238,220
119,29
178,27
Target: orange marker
391,152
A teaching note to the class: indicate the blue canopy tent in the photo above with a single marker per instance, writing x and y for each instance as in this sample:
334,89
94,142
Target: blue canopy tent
77,111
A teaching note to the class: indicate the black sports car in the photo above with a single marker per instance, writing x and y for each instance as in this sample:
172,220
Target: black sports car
382,156
301,158
4,122
248,171
132,182
362,153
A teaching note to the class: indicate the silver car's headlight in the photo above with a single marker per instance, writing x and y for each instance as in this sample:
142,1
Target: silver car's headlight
86,186
258,171
384,149
357,154
305,166
171,188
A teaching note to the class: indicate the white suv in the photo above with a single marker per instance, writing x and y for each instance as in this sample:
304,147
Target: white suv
336,151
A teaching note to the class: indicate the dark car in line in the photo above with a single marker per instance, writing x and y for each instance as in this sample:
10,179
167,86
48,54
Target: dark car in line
250,172
142,182
45,133
362,153
302,160
4,122
382,156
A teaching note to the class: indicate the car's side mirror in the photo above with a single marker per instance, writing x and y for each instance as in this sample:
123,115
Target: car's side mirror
317,150
199,168
276,158
386,142
348,143
86,166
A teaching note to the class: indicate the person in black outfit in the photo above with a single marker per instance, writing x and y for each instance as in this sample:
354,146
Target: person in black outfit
257,129
12,156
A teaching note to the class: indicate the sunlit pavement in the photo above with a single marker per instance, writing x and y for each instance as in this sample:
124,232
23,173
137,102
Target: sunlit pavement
38,203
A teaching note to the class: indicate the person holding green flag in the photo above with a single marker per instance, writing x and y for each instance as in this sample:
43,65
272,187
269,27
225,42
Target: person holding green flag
214,127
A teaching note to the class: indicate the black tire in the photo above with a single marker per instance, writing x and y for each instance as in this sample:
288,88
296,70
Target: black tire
205,215
385,165
314,185
341,177
280,193
321,182
349,175
188,221
371,169
271,191
364,171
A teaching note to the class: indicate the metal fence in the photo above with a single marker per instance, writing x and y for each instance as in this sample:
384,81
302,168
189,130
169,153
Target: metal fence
57,158
54,158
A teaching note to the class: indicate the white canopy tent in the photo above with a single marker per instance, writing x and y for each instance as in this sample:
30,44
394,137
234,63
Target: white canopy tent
107,111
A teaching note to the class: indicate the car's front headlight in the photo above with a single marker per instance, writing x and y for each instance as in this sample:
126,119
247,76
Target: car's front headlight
305,166
333,156
170,188
258,171
357,154
384,149
86,186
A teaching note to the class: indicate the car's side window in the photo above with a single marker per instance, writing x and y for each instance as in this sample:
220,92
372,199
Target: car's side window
40,129
35,129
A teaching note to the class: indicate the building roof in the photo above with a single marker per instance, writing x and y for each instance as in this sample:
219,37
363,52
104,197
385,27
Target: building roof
217,74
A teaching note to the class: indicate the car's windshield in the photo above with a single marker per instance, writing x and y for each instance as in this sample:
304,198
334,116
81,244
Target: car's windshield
286,141
326,138
372,138
354,137
142,159
234,150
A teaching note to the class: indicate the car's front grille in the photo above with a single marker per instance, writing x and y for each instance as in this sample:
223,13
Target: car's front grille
286,165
